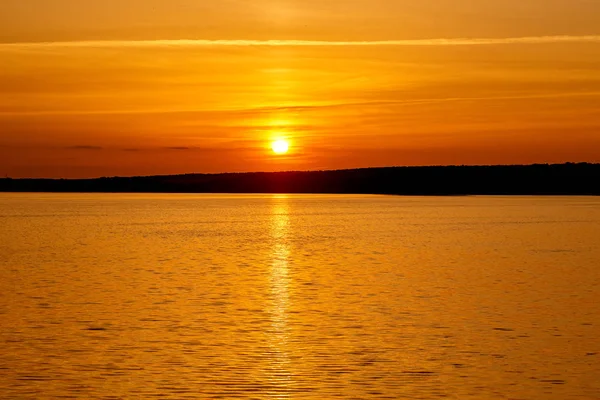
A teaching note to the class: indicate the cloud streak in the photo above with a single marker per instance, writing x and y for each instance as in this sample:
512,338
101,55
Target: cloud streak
84,147
298,107
179,148
191,43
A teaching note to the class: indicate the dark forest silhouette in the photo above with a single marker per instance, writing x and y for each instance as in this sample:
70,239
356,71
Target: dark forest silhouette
538,179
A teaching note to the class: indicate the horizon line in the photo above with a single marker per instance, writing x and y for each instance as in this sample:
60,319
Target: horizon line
311,170
145,43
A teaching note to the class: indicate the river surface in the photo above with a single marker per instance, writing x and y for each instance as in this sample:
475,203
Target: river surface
106,296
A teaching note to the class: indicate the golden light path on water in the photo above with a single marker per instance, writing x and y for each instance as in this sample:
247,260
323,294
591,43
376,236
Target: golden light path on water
279,371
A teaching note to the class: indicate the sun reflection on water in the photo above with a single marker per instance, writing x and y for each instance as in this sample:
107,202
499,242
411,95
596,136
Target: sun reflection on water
278,338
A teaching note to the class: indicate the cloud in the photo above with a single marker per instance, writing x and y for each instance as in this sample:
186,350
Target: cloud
187,43
198,149
232,147
299,107
84,147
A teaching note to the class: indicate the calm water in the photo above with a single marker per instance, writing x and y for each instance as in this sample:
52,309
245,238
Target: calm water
302,296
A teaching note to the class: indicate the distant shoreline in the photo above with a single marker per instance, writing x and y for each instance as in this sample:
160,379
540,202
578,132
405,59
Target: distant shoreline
536,179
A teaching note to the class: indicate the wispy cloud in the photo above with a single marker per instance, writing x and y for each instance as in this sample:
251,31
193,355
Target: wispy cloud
179,148
304,43
231,147
297,107
84,147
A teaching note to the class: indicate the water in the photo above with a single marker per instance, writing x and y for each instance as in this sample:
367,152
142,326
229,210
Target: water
299,297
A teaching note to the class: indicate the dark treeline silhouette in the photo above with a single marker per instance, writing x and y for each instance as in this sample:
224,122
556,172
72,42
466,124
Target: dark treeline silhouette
538,179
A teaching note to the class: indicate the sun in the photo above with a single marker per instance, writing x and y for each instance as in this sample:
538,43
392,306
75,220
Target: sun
280,146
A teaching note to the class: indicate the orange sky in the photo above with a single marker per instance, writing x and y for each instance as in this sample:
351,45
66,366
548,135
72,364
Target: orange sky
158,87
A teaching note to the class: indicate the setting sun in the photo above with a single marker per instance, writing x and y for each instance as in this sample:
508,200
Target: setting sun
280,146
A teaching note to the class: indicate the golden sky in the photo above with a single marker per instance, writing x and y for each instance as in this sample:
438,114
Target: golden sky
95,88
